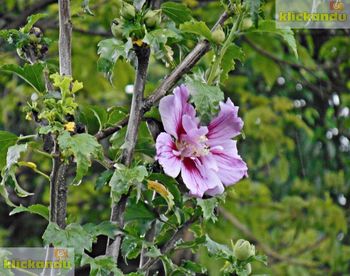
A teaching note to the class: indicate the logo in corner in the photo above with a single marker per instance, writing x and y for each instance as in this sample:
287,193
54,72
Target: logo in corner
60,254
336,5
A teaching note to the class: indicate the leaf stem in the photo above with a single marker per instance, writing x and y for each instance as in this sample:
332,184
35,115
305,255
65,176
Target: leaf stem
42,174
26,137
214,69
43,153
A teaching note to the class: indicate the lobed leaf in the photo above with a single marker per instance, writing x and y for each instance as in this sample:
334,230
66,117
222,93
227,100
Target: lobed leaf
177,12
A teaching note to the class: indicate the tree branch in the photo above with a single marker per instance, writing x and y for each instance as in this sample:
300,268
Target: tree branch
117,215
22,18
277,59
170,244
104,133
65,38
140,106
184,67
58,185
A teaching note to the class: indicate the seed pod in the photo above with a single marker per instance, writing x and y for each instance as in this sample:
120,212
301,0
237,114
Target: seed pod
219,35
128,11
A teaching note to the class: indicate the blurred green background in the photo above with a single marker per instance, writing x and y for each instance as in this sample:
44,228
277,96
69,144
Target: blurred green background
295,204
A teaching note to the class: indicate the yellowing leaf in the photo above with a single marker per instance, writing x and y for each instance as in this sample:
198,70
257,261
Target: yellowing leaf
163,191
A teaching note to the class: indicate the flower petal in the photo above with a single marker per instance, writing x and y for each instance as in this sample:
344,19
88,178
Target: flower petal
226,125
166,156
231,167
218,190
197,178
173,107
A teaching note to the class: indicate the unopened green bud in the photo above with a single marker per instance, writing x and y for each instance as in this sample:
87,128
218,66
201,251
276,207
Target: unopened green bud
243,250
33,38
218,35
128,11
116,29
247,23
152,18
248,268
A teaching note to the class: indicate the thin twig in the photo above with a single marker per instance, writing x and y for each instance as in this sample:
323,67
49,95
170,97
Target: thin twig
104,133
184,67
34,8
277,59
170,244
117,214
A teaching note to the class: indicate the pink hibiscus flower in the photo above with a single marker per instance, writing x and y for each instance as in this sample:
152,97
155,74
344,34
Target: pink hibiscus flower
206,156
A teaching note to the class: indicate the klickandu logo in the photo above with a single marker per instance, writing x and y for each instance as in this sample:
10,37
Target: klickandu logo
36,264
312,13
336,5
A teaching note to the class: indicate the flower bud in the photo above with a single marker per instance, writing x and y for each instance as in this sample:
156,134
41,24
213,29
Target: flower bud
247,23
116,29
128,11
152,18
243,250
218,35
248,268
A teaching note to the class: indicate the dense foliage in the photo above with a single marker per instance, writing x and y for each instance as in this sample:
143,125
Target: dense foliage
292,90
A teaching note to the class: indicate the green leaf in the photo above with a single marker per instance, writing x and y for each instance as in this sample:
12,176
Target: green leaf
8,173
177,12
37,209
84,147
7,139
105,228
160,36
198,28
74,235
131,248
101,265
125,177
228,63
254,6
269,26
195,267
138,211
206,98
32,74
109,50
100,114
208,208
103,179
31,20
217,250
